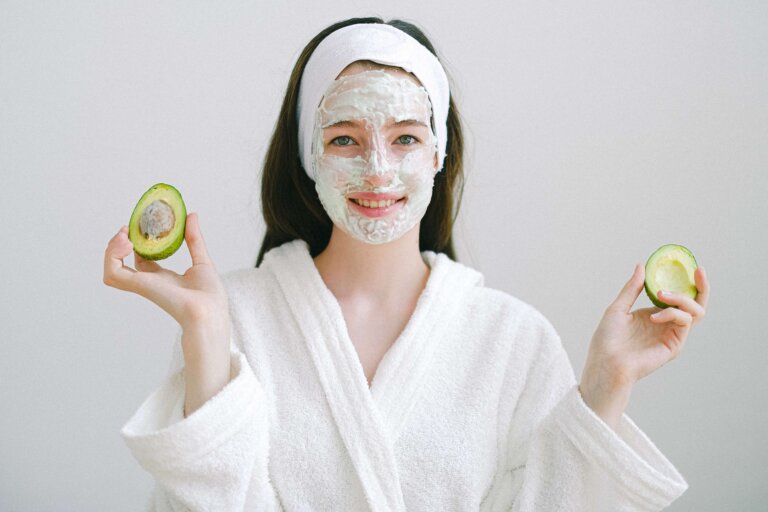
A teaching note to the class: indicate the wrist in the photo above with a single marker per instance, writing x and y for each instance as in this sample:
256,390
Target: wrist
608,402
204,319
203,341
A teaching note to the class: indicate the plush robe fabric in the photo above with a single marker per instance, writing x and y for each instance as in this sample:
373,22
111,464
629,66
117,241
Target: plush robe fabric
474,407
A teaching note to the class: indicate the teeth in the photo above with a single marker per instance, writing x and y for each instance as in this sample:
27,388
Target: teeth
375,204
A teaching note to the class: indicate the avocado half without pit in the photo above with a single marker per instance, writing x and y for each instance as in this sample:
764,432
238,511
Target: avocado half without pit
670,268
157,223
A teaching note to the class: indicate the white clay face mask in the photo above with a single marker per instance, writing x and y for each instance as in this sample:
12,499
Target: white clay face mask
374,155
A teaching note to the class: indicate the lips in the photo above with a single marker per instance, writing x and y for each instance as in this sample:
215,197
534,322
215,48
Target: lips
382,203
375,205
375,196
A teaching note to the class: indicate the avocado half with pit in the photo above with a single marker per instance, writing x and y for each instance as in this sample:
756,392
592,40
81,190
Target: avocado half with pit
157,223
670,268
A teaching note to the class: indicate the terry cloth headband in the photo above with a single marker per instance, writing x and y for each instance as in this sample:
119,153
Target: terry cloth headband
379,43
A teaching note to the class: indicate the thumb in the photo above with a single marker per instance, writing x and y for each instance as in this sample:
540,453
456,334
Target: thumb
628,295
195,242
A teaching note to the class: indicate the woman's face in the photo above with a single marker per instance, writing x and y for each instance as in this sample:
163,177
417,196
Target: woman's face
374,152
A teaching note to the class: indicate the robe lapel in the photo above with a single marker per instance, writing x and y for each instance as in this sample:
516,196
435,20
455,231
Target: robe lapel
398,380
370,420
340,374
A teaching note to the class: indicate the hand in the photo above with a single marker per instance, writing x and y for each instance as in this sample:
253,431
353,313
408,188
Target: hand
628,345
198,297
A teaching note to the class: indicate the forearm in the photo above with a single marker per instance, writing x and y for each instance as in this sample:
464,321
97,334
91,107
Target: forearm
607,401
206,362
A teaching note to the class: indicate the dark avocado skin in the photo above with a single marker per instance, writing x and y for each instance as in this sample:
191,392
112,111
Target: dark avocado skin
656,301
667,247
171,196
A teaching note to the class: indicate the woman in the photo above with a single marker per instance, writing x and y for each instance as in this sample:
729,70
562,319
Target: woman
360,367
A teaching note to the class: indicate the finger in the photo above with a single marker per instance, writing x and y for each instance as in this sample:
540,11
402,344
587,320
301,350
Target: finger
628,295
116,274
151,266
195,242
702,284
145,265
674,315
683,302
122,231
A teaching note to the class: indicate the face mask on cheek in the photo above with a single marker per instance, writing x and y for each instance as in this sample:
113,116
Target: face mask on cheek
374,168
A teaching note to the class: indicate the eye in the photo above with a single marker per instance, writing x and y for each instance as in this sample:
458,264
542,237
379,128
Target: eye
406,140
343,140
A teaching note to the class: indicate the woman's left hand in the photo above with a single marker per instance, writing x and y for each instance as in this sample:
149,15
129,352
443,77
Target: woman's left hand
628,345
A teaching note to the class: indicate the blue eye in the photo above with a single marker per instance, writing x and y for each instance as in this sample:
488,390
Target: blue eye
406,140
342,141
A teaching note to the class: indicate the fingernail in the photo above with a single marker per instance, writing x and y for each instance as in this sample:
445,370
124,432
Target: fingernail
655,315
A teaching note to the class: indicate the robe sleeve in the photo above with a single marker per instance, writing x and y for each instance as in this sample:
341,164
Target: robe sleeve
563,457
214,459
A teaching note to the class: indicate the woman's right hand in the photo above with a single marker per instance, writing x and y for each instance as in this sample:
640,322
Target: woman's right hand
196,299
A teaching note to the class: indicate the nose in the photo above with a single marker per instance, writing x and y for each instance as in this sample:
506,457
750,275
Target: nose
379,180
378,173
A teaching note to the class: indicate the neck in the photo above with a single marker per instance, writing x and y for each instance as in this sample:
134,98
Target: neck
387,271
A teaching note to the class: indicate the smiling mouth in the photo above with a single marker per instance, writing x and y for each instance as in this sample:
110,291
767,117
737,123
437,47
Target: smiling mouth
376,204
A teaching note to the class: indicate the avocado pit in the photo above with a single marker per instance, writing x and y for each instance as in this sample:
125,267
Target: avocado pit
157,220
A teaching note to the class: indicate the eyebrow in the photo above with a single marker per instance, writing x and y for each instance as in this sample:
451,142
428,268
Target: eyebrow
410,122
342,124
354,124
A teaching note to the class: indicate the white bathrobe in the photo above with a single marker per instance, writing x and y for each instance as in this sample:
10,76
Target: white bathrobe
475,407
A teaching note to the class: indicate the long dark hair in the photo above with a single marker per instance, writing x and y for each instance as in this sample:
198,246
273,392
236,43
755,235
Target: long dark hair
289,201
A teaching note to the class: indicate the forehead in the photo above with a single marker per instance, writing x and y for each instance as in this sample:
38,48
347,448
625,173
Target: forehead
376,94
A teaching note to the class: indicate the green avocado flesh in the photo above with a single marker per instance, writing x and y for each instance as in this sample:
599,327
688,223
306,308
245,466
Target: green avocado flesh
670,268
157,223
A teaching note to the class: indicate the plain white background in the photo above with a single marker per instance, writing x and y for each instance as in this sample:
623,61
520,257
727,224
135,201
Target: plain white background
597,132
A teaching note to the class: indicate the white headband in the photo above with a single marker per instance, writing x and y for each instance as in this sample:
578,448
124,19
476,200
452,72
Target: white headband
379,43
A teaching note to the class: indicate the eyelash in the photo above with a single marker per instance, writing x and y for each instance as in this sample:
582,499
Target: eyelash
335,143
